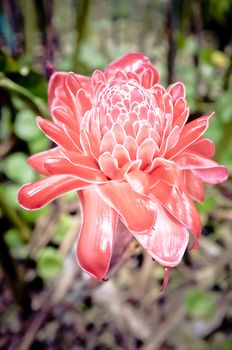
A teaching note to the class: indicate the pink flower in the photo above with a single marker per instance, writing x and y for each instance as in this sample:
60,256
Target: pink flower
124,145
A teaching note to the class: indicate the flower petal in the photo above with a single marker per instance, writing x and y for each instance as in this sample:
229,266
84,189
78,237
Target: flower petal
108,165
39,193
194,160
59,165
194,186
203,146
56,80
176,90
97,233
212,176
168,240
37,160
190,133
130,62
133,62
206,169
55,133
137,210
179,206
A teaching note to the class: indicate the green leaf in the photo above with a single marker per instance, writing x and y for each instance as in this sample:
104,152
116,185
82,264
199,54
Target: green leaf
11,191
16,168
39,144
200,304
25,126
49,263
14,241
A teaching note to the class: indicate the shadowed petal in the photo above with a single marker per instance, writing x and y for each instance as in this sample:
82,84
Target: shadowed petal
203,146
194,186
137,211
97,234
168,240
179,205
39,193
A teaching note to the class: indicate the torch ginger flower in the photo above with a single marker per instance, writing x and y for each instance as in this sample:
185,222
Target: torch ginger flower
124,145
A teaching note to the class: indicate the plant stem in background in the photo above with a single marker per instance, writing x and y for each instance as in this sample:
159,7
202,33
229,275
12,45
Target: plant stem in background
29,17
81,25
171,28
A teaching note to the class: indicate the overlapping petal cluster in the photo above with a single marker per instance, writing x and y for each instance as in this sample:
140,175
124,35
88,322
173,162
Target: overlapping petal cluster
124,145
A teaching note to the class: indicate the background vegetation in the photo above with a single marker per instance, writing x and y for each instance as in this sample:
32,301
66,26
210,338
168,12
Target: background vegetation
46,302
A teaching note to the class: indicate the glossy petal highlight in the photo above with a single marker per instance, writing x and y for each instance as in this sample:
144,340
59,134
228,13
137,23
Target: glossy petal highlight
97,233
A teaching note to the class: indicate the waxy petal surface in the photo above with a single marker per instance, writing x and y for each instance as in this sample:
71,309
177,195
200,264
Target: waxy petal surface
97,233
137,211
168,240
37,194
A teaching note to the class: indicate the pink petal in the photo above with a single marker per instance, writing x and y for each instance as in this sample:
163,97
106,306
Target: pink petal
73,136
37,160
194,186
83,100
131,146
80,159
55,133
206,169
148,79
136,210
97,76
146,152
170,141
97,234
56,80
190,133
62,116
108,165
85,83
181,114
139,181
168,240
108,142
176,90
179,206
118,133
212,176
59,165
203,146
39,193
130,62
121,154
143,133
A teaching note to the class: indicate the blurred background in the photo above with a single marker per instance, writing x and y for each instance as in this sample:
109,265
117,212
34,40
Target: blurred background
46,302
